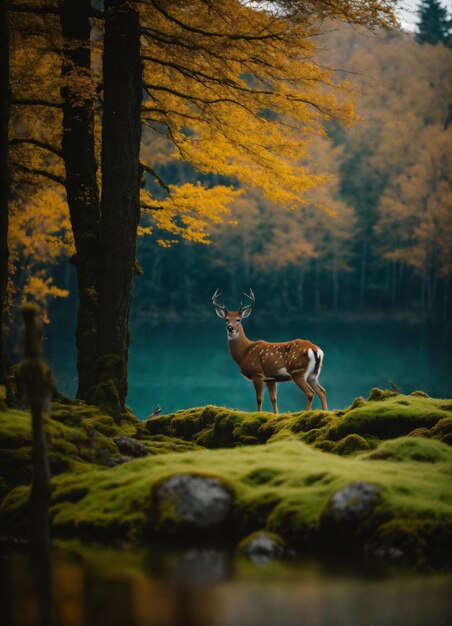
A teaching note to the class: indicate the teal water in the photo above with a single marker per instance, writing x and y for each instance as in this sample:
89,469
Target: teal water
187,364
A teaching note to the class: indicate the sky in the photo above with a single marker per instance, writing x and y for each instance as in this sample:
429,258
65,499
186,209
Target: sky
407,12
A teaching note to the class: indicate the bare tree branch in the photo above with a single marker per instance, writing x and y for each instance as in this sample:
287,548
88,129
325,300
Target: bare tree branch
39,172
39,144
153,173
35,102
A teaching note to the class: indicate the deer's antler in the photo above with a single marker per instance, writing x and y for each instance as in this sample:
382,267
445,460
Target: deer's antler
216,295
248,306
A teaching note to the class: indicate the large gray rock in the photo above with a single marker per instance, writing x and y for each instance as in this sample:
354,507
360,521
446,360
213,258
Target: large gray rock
185,502
353,504
130,447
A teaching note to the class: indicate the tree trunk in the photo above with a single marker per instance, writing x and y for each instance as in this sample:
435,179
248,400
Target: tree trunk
4,178
81,183
120,202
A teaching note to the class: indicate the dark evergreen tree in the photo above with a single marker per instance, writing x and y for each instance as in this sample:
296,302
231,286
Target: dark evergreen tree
434,25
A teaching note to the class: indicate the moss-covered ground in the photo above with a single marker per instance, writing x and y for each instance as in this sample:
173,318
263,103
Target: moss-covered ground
283,468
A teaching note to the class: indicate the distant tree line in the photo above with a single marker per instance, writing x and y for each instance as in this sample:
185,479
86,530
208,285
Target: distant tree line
388,248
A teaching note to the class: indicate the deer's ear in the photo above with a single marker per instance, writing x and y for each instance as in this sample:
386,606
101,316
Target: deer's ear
220,312
246,313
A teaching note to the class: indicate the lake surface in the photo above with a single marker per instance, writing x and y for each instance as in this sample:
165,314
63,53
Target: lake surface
187,364
209,587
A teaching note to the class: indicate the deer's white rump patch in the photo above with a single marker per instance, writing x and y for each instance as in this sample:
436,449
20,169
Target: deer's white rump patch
311,365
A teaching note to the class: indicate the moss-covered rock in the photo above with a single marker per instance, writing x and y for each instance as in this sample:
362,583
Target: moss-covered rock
443,430
131,447
412,449
325,444
420,432
413,542
377,394
351,506
262,546
350,444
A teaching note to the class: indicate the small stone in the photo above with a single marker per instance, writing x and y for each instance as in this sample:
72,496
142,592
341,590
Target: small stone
262,547
131,447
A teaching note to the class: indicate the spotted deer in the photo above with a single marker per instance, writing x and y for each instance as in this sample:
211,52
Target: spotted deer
262,362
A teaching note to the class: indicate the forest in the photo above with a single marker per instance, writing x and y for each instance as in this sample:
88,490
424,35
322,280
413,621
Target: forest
373,238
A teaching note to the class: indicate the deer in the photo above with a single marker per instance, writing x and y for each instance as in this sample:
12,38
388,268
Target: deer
267,363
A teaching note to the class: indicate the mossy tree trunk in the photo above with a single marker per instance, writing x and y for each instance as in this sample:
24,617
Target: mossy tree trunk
82,189
4,177
120,201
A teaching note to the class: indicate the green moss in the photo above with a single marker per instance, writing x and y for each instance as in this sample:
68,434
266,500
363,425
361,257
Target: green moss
291,522
261,476
358,402
388,415
447,439
419,543
381,394
254,509
312,435
443,429
350,444
282,486
420,432
387,418
104,424
106,393
325,444
413,449
14,511
73,493
308,420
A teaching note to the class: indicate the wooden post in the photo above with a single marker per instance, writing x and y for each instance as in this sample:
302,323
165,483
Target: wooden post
37,380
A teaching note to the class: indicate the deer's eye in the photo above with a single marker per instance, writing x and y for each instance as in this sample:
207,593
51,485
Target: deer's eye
238,321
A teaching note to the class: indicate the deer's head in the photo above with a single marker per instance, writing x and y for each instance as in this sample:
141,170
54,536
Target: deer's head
233,319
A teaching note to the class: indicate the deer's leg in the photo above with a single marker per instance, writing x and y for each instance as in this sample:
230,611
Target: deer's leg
299,380
320,391
259,387
273,393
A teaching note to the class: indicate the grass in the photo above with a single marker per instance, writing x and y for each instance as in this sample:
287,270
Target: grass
398,443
